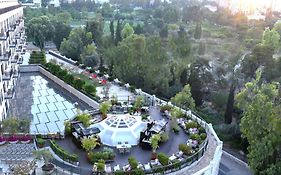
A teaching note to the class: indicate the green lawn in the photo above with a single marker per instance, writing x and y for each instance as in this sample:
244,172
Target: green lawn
87,79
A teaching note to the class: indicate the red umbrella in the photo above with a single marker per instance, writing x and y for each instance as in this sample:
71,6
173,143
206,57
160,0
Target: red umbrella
103,81
94,76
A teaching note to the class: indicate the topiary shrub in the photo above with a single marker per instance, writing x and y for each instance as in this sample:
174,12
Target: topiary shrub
69,78
201,129
163,158
164,137
62,73
84,118
195,137
78,83
185,149
191,125
101,165
165,108
90,89
203,136
133,162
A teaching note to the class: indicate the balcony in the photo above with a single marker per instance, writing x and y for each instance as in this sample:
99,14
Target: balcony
12,45
16,74
17,36
9,94
3,37
15,59
7,75
20,60
4,58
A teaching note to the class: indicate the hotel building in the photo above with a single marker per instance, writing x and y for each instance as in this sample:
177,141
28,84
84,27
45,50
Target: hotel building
12,47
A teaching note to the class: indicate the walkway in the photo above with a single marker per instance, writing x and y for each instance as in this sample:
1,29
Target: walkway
230,167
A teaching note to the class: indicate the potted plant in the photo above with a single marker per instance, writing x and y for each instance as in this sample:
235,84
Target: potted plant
25,139
154,141
48,167
40,142
2,140
104,108
90,143
13,139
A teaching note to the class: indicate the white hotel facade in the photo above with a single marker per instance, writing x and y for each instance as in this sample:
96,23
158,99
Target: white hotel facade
12,47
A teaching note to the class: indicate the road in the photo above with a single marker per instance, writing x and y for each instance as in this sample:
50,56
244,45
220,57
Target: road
231,167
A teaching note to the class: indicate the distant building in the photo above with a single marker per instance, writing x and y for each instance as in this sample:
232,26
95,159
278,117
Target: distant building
54,3
12,45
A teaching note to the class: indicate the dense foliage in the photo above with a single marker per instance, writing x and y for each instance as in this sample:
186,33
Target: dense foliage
261,125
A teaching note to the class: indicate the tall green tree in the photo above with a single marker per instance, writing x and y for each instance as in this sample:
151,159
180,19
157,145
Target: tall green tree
73,46
184,98
40,30
260,124
112,30
271,38
198,31
95,26
118,35
89,56
62,31
127,31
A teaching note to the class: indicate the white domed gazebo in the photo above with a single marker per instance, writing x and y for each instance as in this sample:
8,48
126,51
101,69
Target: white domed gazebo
119,129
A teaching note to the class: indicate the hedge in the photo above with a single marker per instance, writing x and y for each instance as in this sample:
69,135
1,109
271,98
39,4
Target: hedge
62,153
163,158
37,57
68,78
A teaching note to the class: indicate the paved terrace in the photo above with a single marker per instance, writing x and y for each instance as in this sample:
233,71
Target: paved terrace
143,156
47,104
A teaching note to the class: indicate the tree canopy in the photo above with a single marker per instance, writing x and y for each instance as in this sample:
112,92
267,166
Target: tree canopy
260,124
41,30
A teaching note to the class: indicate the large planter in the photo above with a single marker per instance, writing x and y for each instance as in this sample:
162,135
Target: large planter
25,142
48,169
2,142
25,139
13,142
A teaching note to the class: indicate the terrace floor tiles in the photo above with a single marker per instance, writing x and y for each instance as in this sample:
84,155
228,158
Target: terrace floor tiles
42,128
53,127
36,94
43,99
69,113
51,107
36,101
59,98
43,118
51,92
52,116
35,120
35,109
51,99
60,105
61,115
43,92
43,108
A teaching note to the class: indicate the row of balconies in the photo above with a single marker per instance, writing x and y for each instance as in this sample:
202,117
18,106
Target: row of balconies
4,35
17,42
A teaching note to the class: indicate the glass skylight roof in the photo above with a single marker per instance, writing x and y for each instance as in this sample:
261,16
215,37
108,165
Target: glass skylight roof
123,121
120,128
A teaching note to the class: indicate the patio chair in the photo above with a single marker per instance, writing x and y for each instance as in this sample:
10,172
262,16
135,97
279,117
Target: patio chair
108,168
147,166
116,167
